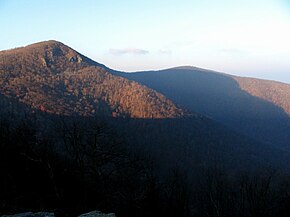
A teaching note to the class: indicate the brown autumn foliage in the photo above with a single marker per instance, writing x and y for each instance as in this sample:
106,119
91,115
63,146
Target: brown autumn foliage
275,92
56,79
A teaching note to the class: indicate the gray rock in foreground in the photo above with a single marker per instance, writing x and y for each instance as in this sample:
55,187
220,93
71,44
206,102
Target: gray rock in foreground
97,214
30,214
47,214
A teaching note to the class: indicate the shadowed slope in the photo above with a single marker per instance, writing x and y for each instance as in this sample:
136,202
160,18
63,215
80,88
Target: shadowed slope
251,106
196,143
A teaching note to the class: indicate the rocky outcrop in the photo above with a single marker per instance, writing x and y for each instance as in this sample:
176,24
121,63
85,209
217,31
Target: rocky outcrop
30,214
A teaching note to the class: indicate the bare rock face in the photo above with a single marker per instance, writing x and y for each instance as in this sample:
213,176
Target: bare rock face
97,214
30,214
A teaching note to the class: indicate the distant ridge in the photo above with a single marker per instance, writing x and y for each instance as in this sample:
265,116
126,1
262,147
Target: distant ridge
255,107
274,92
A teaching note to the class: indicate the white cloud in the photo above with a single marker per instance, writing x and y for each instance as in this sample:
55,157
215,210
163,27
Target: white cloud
134,51
232,51
165,51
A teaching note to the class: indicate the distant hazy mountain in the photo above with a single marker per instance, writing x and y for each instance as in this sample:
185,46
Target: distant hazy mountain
257,108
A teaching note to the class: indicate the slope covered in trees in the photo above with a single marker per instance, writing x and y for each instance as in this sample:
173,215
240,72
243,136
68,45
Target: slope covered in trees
254,107
56,79
137,168
74,137
275,92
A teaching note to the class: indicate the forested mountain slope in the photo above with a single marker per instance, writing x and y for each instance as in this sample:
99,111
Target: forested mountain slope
254,107
77,136
56,79
275,92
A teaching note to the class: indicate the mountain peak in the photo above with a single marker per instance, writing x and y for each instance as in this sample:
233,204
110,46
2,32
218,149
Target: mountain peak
50,57
38,46
188,67
54,78
54,49
196,69
46,43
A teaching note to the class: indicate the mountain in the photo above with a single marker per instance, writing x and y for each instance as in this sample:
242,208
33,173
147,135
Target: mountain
78,136
254,107
56,79
52,78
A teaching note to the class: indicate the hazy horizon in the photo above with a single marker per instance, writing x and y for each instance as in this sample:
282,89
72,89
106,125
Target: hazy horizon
245,38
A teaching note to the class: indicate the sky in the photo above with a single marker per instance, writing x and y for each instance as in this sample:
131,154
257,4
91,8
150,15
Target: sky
241,37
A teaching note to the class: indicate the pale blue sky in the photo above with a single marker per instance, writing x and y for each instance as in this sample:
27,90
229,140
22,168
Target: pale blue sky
242,37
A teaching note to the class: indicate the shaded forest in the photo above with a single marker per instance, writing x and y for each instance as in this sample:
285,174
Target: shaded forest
76,165
257,108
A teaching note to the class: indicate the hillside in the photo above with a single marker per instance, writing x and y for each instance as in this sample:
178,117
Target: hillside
56,79
77,136
52,78
275,92
254,107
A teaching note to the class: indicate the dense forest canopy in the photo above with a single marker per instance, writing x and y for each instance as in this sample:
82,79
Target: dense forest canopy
56,79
